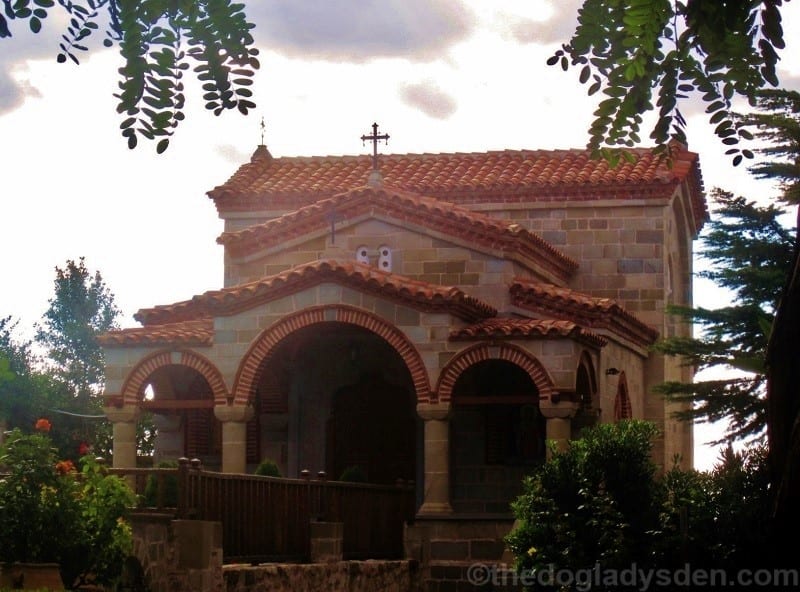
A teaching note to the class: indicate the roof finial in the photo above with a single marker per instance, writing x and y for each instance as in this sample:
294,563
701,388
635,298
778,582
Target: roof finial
261,151
263,129
375,177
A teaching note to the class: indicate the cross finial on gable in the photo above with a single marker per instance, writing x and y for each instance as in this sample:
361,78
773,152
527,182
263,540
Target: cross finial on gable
375,138
263,129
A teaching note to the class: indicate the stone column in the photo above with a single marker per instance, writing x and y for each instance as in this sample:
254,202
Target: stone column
234,420
124,425
559,416
437,458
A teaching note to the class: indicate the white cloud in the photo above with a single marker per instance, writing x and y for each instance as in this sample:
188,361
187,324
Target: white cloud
429,98
359,31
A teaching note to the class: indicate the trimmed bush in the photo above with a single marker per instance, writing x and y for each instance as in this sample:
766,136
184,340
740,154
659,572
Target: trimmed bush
268,468
354,474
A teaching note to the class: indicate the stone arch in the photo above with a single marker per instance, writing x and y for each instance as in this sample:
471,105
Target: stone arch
484,351
263,347
588,364
622,401
144,369
587,395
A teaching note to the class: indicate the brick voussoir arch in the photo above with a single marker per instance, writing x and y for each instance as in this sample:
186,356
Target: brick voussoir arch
485,351
252,364
137,378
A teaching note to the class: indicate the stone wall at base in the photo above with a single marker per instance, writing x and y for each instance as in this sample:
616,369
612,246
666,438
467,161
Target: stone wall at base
353,576
457,554
177,554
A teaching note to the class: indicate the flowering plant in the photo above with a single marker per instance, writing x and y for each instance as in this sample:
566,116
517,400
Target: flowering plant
43,425
51,513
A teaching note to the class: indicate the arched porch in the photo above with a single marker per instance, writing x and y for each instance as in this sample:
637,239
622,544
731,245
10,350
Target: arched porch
333,396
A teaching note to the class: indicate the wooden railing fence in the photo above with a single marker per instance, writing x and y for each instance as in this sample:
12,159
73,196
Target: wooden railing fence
267,518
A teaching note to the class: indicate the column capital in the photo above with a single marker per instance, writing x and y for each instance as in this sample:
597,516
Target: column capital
241,413
433,411
126,413
558,410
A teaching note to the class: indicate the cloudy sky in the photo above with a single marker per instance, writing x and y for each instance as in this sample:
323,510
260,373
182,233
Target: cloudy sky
437,75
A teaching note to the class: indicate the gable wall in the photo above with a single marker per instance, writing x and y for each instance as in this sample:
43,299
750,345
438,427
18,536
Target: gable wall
415,255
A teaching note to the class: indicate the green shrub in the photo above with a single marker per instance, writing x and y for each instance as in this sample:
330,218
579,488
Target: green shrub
601,502
170,487
596,502
719,518
354,474
268,468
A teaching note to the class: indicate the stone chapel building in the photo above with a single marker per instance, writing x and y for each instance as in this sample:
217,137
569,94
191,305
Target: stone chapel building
434,318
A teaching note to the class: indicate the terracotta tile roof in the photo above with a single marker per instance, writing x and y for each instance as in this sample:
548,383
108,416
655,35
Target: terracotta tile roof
518,328
413,293
475,228
198,333
465,178
588,311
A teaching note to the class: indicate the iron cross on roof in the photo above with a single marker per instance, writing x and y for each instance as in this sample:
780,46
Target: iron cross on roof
375,138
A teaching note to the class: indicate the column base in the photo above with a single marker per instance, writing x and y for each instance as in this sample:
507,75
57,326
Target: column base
435,509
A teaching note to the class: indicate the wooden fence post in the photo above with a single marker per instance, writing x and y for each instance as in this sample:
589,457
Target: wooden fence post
183,488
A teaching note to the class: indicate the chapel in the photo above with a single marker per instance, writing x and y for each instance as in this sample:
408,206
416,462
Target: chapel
436,318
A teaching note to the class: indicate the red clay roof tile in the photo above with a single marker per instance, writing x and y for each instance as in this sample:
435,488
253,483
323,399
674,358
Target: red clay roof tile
413,293
518,328
596,313
499,176
197,332
476,228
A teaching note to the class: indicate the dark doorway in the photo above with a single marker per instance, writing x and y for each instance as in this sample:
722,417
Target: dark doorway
372,428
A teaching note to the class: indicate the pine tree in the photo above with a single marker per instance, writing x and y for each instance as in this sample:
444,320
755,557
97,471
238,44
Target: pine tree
777,121
749,252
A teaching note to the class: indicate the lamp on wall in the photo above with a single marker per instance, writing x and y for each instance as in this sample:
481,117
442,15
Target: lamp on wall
612,372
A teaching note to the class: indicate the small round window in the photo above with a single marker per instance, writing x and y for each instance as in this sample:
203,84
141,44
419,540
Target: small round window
384,258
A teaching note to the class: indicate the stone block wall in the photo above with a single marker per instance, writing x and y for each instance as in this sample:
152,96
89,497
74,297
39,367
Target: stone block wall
178,554
621,249
461,553
353,576
327,541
